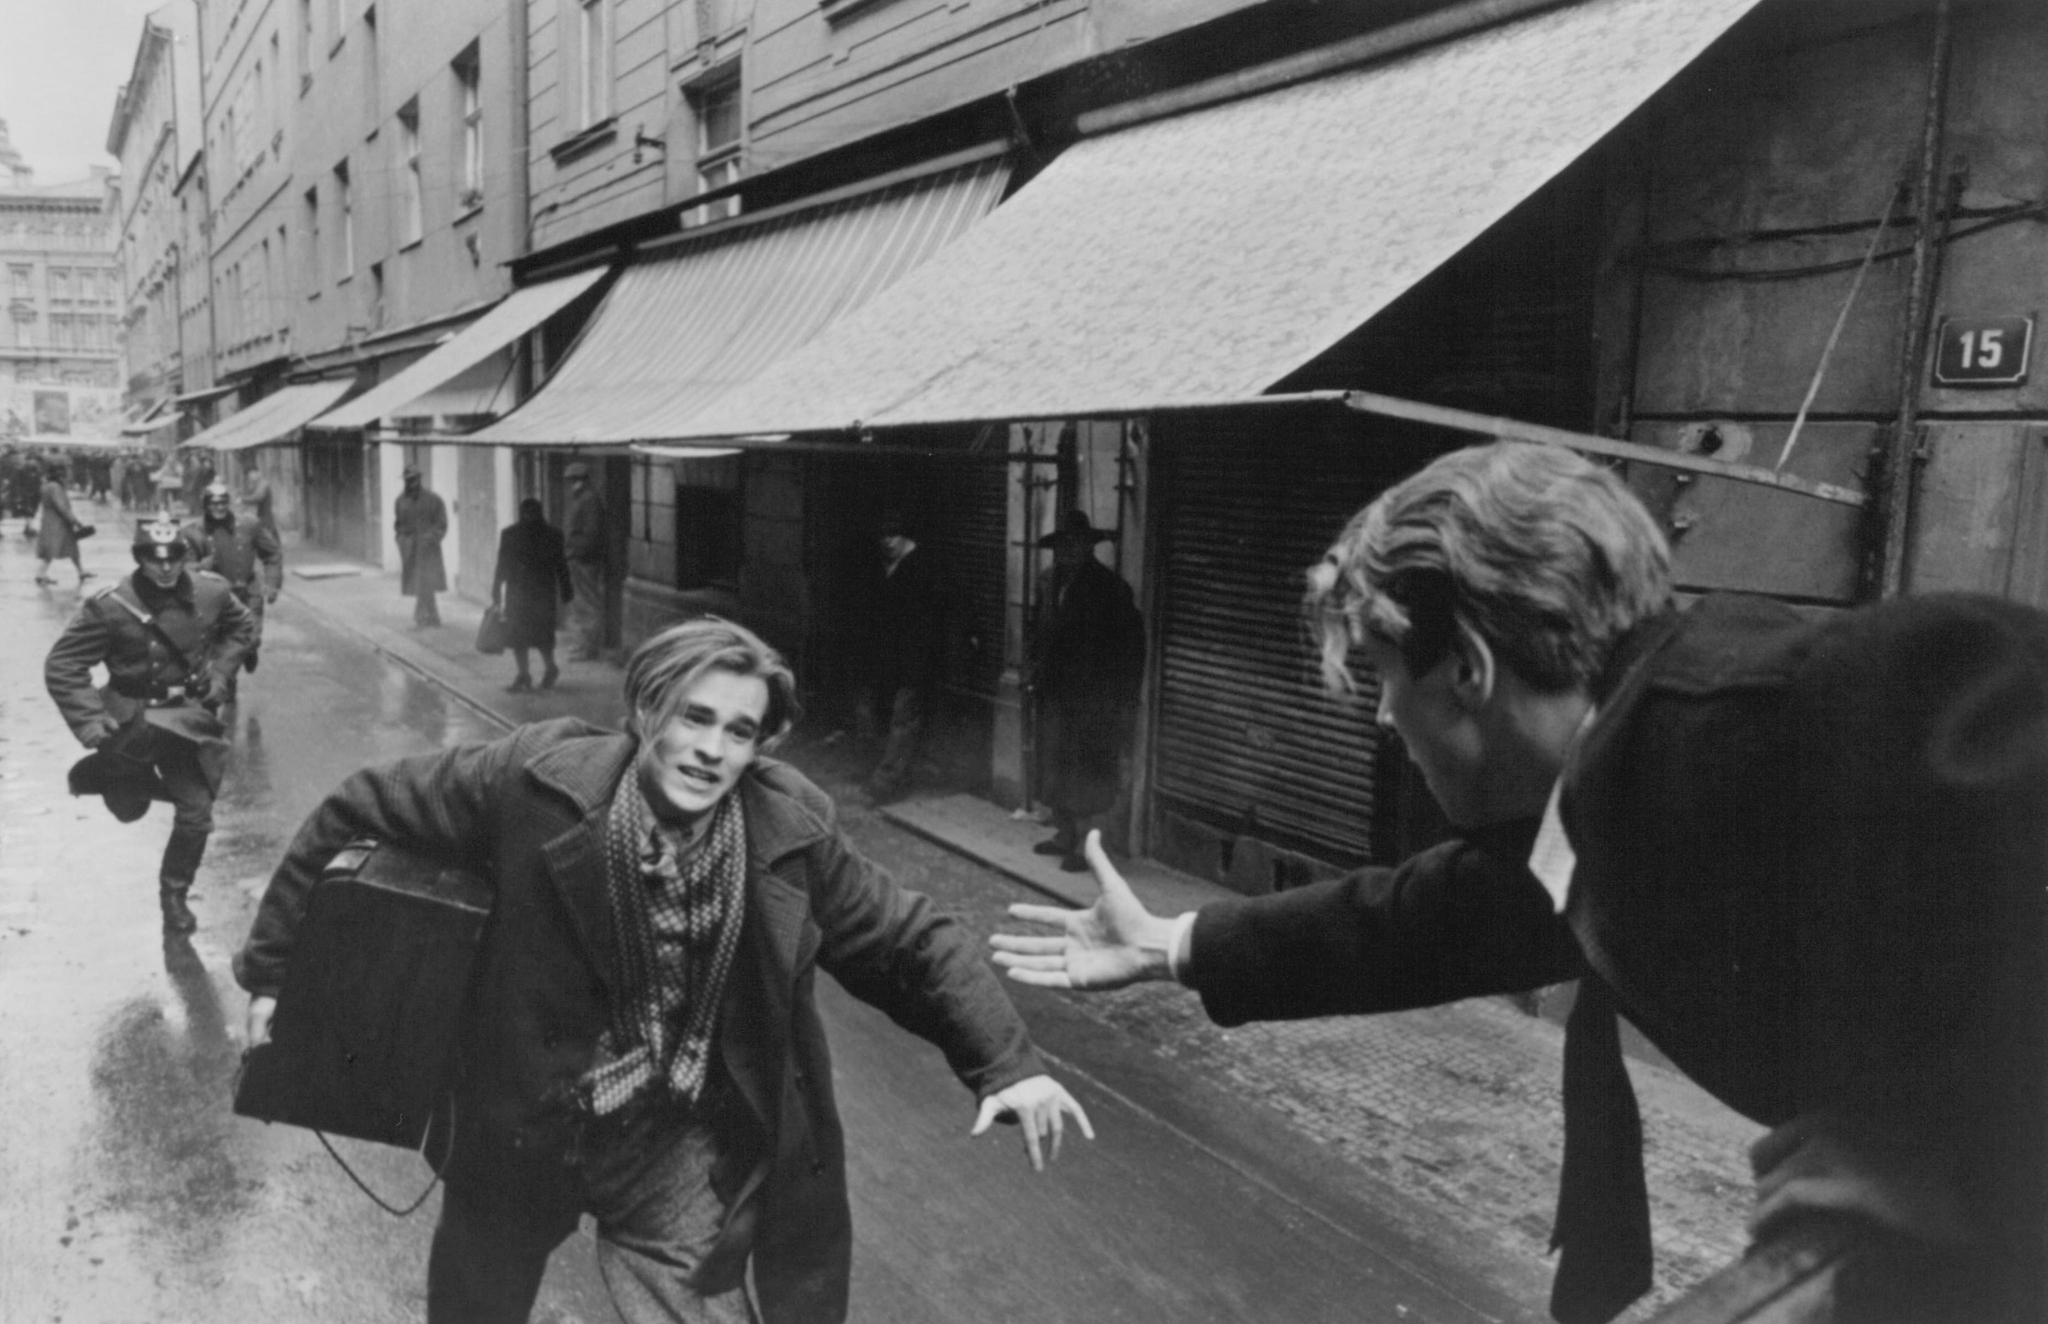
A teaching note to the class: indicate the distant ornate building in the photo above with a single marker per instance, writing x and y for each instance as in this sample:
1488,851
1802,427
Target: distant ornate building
60,330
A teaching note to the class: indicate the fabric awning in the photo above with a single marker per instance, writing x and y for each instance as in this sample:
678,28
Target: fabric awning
154,423
202,395
1204,257
273,418
684,325
515,315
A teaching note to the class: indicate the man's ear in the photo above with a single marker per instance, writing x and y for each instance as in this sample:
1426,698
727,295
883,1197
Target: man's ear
1474,669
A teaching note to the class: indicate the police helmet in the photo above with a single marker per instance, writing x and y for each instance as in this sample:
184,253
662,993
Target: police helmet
158,540
218,492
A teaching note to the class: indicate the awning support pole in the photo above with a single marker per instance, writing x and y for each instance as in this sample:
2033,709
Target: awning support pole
1511,429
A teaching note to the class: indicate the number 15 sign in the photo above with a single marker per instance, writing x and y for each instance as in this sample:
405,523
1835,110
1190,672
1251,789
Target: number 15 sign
1983,351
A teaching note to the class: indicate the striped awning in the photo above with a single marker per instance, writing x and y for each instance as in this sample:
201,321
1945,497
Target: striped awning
1204,257
273,418
691,321
518,313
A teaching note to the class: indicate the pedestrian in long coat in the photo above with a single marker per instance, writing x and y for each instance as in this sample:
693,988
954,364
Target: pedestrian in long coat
1087,666
419,520
686,1103
531,578
57,528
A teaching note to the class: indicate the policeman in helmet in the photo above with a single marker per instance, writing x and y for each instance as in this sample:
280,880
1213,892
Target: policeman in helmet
171,638
245,552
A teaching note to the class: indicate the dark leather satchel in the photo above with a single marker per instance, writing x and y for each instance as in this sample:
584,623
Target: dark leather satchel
363,1038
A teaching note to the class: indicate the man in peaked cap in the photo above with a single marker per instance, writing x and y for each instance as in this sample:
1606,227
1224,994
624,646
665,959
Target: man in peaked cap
242,551
171,640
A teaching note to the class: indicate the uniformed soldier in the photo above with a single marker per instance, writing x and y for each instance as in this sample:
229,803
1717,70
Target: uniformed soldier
244,552
171,640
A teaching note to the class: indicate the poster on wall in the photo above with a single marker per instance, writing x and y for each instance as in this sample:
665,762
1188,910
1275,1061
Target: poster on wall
53,413
79,415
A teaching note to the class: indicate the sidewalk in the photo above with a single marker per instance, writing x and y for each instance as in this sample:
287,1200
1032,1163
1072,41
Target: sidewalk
1454,1107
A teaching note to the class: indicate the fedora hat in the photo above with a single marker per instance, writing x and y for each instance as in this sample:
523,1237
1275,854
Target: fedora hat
1075,525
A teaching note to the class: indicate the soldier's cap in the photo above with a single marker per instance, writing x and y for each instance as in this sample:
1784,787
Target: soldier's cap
410,471
577,469
219,492
158,540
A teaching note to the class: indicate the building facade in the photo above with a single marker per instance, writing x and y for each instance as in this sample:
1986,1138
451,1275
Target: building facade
669,213
60,337
156,137
406,204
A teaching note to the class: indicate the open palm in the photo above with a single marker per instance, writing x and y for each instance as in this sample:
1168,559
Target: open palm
1112,943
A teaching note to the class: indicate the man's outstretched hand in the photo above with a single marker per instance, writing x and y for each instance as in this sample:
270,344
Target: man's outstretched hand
1039,1105
1114,942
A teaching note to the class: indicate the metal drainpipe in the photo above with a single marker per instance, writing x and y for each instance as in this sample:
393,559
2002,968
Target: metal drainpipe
1902,453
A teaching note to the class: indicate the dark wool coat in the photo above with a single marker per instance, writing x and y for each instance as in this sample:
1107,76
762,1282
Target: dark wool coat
528,811
533,574
908,632
1812,862
419,520
1087,667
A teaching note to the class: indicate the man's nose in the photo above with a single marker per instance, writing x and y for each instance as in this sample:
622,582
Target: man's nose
1383,711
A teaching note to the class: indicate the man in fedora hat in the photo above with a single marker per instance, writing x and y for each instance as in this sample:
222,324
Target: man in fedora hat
587,538
1088,660
171,641
419,520
907,654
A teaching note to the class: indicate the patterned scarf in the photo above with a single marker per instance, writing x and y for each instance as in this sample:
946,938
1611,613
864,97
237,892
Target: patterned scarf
678,925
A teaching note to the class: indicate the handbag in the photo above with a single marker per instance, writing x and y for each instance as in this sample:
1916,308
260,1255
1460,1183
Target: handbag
83,530
490,632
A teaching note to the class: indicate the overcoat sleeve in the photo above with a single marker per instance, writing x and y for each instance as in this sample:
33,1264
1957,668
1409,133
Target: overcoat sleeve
1459,920
235,633
440,804
895,950
67,672
271,553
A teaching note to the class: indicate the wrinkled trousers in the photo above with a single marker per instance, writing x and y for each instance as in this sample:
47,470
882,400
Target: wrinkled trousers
187,783
658,1216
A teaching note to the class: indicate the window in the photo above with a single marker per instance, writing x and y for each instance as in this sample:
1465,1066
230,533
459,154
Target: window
23,281
414,221
707,522
60,285
256,292
313,238
303,45
348,220
374,313
596,38
372,93
471,187
719,134
60,331
337,19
